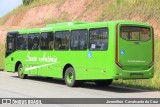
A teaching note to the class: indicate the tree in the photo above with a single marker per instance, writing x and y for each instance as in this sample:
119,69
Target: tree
27,2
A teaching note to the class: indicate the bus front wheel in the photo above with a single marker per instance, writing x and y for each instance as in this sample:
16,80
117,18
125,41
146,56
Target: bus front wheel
21,72
70,78
103,82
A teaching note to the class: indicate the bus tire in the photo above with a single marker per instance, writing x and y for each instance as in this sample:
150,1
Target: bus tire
21,75
70,78
103,82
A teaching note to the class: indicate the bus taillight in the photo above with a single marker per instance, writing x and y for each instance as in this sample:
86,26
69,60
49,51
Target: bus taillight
152,63
116,57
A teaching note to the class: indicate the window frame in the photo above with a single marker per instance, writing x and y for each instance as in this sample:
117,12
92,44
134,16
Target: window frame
14,36
90,36
53,34
86,40
28,41
139,32
14,45
68,40
17,42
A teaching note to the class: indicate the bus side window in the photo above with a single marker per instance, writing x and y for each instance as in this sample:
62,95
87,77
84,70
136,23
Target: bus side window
83,39
11,43
74,40
62,40
79,39
33,41
51,41
22,42
47,41
98,39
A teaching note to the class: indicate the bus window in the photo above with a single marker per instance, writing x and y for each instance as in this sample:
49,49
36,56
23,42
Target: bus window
98,39
33,41
135,33
11,43
62,40
47,42
79,39
22,42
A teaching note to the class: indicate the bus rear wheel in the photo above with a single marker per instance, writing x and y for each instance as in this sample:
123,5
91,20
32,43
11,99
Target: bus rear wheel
70,78
21,72
103,82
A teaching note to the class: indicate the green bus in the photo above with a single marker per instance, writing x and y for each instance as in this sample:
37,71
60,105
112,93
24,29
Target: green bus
83,51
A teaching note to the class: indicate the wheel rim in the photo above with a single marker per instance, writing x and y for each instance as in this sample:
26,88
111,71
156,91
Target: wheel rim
69,77
21,71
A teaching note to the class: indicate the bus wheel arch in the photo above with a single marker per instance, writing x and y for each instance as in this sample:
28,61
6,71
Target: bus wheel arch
17,65
65,68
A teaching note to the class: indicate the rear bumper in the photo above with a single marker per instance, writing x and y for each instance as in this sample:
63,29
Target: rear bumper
141,74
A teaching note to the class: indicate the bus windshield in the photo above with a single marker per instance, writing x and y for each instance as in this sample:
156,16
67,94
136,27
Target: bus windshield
135,33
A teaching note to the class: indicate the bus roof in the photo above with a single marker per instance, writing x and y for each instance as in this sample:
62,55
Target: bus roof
77,25
65,24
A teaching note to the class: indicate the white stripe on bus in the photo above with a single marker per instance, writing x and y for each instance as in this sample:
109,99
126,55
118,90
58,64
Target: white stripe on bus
36,67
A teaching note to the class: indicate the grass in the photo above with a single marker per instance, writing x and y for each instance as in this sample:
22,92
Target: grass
126,9
63,18
2,52
112,9
22,8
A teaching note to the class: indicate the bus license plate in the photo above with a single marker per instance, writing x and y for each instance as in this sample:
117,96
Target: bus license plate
136,74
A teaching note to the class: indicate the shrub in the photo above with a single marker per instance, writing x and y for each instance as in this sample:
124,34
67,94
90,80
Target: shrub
27,2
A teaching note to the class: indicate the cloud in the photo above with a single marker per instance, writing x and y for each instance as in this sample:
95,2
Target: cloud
8,5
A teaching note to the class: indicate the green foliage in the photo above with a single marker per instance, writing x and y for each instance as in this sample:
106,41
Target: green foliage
27,2
127,9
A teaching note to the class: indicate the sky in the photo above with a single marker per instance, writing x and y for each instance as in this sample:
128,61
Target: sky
8,5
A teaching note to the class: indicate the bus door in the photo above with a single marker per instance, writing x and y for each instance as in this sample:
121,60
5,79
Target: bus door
10,48
135,47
